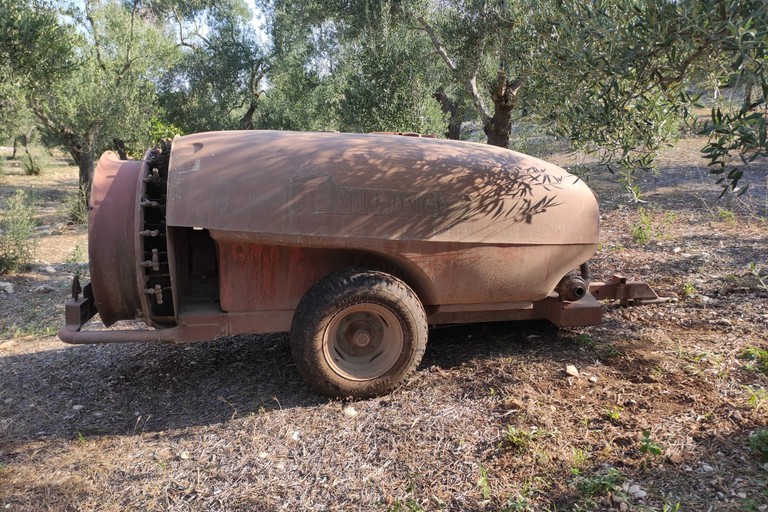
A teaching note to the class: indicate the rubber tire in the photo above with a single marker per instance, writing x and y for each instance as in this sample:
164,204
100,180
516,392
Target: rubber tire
330,297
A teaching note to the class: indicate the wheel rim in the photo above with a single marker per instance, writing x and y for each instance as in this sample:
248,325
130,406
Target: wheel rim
363,342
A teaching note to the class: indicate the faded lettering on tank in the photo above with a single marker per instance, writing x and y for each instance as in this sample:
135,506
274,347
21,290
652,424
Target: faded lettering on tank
326,196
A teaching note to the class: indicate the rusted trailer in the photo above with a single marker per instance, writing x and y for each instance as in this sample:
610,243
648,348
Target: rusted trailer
354,243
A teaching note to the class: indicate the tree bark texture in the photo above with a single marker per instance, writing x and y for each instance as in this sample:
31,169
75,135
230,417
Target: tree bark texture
455,114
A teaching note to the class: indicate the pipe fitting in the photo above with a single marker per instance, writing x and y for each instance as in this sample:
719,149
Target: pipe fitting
572,288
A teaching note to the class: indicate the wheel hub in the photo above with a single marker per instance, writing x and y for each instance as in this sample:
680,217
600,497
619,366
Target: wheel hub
363,342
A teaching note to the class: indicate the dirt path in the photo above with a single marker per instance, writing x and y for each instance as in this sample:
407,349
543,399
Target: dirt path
661,413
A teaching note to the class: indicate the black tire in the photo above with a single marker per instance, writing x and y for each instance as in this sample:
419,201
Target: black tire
358,333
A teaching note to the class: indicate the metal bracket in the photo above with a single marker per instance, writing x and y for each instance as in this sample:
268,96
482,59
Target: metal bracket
628,293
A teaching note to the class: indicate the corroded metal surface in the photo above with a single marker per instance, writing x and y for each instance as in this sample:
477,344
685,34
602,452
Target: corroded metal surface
352,189
251,220
112,238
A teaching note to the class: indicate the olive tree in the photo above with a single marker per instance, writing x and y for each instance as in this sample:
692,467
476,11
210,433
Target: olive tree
217,83
111,92
626,73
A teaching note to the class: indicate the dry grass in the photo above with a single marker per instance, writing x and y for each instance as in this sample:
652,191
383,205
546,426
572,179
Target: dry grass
490,421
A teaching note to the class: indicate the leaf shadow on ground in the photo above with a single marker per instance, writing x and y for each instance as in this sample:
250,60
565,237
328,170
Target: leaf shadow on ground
126,389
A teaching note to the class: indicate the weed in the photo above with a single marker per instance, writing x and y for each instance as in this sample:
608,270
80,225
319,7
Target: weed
671,508
77,255
34,161
758,443
759,358
689,290
649,226
642,229
482,482
517,439
17,234
761,279
600,484
758,397
580,458
30,330
80,437
410,504
648,446
76,206
614,414
726,215
518,504
585,340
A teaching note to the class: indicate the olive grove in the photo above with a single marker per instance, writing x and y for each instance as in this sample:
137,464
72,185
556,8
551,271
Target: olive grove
620,77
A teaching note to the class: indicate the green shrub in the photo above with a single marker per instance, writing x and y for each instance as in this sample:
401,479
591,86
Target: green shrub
758,356
17,234
34,161
76,206
758,443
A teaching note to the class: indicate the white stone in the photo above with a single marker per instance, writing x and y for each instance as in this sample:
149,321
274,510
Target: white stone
78,407
633,489
350,411
640,494
571,370
707,468
6,287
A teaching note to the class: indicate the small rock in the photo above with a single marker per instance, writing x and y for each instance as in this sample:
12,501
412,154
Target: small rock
633,489
593,379
296,436
676,250
184,455
48,269
707,468
263,455
676,458
349,411
640,494
571,370
78,407
6,287
623,506
725,321
43,288
742,495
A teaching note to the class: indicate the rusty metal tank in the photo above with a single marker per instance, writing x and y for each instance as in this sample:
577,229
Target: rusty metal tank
237,232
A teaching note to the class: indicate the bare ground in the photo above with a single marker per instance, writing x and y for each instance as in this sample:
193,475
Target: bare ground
660,415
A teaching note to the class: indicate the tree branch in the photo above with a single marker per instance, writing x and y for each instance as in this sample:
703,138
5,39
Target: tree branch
437,44
128,60
96,44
